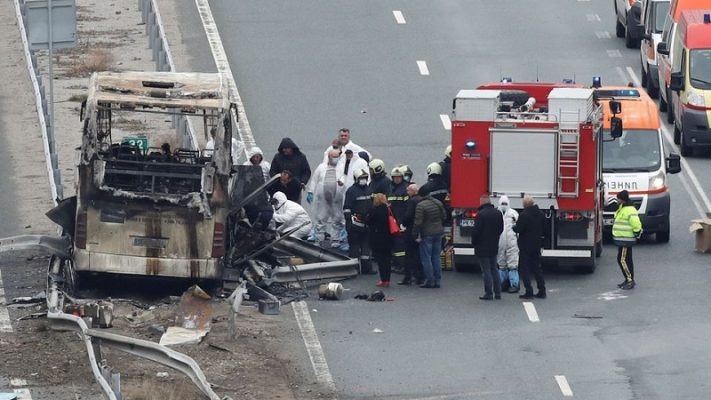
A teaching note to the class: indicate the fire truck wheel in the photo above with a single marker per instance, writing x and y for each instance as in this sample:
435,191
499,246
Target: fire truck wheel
518,97
663,237
589,268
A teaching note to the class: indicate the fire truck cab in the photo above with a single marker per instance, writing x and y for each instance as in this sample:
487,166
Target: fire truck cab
543,140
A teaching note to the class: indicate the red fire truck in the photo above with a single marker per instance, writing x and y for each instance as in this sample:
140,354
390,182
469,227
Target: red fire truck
539,139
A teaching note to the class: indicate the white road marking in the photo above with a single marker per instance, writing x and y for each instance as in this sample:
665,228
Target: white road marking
614,295
223,66
622,75
593,17
635,80
686,168
564,386
5,325
22,394
452,396
313,345
399,18
531,311
446,122
603,35
423,68
614,53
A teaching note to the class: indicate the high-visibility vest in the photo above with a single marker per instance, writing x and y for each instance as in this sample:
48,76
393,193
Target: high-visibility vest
627,225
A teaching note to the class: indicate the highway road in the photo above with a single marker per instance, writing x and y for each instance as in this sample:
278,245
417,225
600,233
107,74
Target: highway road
307,68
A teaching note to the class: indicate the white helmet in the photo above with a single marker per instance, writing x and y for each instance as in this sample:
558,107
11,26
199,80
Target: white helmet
377,166
448,151
397,171
360,173
434,169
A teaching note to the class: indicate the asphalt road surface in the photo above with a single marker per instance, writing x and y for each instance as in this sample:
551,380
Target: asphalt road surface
307,68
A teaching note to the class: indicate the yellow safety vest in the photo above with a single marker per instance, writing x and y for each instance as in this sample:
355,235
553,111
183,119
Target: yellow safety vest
627,225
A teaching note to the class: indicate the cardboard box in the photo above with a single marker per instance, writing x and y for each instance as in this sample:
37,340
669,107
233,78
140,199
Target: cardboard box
702,229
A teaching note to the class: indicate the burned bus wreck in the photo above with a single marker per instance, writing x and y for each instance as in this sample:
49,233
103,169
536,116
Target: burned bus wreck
142,208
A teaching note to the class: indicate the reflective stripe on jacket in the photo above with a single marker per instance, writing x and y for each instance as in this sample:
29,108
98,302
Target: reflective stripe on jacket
627,225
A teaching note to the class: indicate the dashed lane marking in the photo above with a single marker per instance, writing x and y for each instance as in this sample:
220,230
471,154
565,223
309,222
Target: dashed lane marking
446,122
399,18
564,386
423,68
531,311
592,17
5,325
313,345
603,35
614,53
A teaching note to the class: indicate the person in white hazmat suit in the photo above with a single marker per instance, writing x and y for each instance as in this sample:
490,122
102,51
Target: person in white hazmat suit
507,258
326,195
256,157
288,215
346,166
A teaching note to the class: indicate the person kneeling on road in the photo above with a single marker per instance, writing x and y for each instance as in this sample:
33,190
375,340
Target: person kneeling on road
289,215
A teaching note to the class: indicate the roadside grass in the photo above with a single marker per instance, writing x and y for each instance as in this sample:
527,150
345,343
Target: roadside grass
155,390
97,60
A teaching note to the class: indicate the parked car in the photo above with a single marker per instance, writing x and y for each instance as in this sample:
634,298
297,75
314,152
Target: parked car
654,13
628,14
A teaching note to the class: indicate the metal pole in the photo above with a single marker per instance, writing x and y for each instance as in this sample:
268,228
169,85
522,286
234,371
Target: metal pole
51,80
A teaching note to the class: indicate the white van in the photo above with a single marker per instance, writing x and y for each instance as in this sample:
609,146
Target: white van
654,13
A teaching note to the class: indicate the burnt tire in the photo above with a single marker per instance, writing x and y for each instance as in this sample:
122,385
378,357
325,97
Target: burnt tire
518,97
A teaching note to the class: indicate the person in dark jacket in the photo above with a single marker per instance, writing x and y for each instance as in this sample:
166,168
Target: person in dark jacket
413,264
356,206
428,230
437,188
530,240
290,158
379,181
485,237
288,185
397,199
381,240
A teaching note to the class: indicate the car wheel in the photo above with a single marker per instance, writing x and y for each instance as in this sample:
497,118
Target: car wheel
663,106
652,91
677,135
620,29
630,42
670,109
663,237
645,78
684,148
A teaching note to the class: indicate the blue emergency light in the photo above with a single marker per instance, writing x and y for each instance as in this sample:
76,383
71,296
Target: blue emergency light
707,18
506,80
470,144
597,82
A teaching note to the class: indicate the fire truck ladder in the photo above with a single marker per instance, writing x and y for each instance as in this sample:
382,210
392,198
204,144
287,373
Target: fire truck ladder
569,155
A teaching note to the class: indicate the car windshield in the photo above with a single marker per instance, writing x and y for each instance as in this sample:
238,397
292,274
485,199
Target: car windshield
636,150
661,9
700,69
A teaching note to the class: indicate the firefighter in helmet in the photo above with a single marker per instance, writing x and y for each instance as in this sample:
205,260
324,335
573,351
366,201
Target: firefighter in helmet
356,206
397,199
379,181
406,173
437,187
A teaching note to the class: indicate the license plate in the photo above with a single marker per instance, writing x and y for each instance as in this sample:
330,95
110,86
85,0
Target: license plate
152,243
466,223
